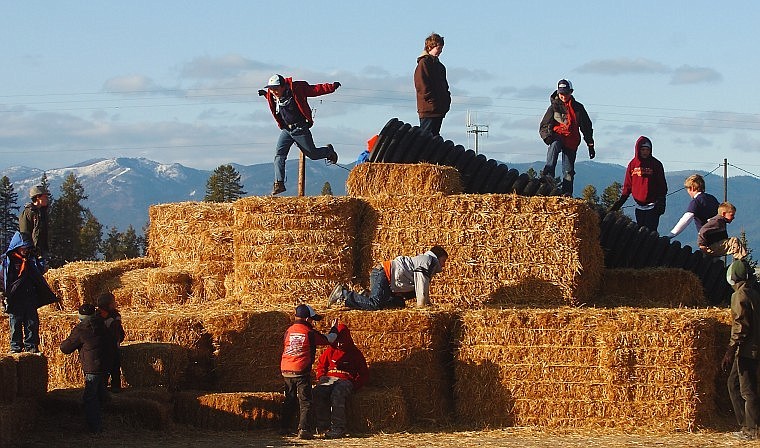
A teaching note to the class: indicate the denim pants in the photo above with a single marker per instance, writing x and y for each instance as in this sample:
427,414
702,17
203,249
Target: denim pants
432,124
330,397
25,330
297,396
568,165
742,388
380,295
94,395
301,136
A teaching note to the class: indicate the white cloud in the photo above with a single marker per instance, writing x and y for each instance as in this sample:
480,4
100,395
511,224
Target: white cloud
623,66
686,74
131,84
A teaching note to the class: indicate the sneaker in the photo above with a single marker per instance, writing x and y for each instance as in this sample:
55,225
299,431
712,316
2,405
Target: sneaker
305,435
34,350
278,187
332,157
336,296
333,434
744,435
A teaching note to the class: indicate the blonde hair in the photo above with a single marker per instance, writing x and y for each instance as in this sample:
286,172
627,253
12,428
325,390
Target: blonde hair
726,207
695,182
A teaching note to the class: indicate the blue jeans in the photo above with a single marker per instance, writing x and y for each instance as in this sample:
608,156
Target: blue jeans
305,142
568,165
94,395
380,294
432,124
25,330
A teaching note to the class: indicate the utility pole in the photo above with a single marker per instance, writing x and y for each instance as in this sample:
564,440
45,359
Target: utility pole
302,166
476,129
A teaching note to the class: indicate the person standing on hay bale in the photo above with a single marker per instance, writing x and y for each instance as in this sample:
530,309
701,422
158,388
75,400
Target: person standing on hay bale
702,207
33,223
645,180
744,349
433,96
96,352
300,349
392,282
713,237
112,319
291,111
25,290
561,129
341,371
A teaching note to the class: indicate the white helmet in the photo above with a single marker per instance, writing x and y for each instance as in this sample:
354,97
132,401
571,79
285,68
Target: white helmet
276,81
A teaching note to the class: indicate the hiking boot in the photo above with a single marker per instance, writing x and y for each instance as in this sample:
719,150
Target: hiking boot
333,434
336,296
332,156
305,435
278,187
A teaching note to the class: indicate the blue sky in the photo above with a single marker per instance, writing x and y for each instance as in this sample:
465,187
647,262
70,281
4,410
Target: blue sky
176,81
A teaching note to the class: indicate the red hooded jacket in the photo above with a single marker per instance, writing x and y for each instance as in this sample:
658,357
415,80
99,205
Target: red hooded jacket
344,360
301,90
300,348
644,178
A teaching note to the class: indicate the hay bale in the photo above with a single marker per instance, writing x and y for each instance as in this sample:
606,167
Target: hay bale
395,179
64,371
83,281
292,249
624,368
31,375
377,409
503,249
152,364
168,285
228,411
17,419
8,386
652,287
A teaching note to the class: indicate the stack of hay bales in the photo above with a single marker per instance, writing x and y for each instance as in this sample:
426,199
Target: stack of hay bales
652,287
422,179
568,367
293,249
23,381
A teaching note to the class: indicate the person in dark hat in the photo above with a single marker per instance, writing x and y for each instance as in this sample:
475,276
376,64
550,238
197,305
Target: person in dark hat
300,349
561,129
743,350
33,223
96,352
287,102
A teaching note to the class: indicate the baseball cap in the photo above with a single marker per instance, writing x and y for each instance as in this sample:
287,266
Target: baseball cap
276,81
306,312
564,86
37,190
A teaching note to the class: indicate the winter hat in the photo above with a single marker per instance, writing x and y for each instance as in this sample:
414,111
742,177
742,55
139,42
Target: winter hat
738,271
85,311
276,81
105,299
564,86
306,312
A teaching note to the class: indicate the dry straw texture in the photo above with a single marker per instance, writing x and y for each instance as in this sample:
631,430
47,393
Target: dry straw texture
17,419
293,249
228,411
654,287
83,281
153,364
370,179
503,249
628,368
32,375
8,386
374,409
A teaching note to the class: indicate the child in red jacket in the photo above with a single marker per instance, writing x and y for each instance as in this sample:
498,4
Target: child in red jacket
341,370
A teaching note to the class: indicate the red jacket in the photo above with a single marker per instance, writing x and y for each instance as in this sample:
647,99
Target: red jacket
644,178
301,90
344,360
301,341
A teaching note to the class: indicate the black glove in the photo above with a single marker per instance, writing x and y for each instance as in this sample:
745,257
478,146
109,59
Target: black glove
728,359
591,152
659,206
262,92
336,84
619,203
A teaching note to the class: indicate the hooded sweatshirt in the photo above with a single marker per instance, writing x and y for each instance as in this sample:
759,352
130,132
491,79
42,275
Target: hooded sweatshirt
22,279
565,121
433,96
344,360
644,178
745,310
96,345
407,274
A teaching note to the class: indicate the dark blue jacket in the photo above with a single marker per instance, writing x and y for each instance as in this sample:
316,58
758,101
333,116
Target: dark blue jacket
22,281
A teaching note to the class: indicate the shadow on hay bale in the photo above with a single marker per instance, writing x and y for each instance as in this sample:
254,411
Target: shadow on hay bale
478,382
529,291
150,364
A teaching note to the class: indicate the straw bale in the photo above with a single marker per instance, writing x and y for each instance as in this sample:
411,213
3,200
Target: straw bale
500,246
566,367
410,349
228,411
8,386
652,287
293,248
168,285
17,419
82,281
31,375
422,179
64,371
151,364
188,232
375,409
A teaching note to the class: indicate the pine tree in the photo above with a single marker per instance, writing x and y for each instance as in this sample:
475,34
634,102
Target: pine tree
8,212
110,245
531,173
590,196
748,258
611,194
224,185
144,238
131,243
75,233
120,246
327,189
45,185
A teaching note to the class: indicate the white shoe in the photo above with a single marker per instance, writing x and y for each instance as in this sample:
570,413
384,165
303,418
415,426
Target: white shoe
336,296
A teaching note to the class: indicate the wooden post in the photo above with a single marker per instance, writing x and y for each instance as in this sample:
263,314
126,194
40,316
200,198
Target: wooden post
301,174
